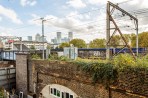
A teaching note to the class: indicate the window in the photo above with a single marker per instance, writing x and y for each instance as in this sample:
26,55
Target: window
51,90
71,96
58,94
55,91
67,95
62,95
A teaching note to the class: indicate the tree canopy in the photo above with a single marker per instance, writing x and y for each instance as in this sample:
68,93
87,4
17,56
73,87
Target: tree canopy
115,41
62,45
80,43
97,43
143,39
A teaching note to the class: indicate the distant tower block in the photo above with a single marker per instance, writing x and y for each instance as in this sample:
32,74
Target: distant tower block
59,37
29,38
37,37
70,35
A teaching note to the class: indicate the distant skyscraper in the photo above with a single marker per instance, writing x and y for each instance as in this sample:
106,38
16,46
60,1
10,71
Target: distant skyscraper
29,38
58,37
65,39
70,36
54,41
37,37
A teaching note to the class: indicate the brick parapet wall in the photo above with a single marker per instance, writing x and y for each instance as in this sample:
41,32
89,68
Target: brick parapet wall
134,81
68,74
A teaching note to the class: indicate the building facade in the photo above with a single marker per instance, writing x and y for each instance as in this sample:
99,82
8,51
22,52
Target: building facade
37,45
29,38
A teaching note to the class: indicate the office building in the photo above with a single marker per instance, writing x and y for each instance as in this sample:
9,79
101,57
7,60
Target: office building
70,36
29,38
37,37
59,37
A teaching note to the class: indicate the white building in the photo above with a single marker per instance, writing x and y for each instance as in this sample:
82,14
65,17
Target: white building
26,45
38,37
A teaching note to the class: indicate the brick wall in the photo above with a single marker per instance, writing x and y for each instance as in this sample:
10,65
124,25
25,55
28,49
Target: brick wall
68,74
43,73
21,73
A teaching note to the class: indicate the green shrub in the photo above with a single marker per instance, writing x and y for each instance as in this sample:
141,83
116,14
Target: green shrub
1,91
63,58
35,56
143,62
53,57
122,61
101,72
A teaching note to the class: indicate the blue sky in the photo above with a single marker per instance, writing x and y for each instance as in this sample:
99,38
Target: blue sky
86,18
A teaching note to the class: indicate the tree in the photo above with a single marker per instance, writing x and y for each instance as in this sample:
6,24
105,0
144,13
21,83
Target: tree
115,41
143,39
78,43
62,45
133,40
97,43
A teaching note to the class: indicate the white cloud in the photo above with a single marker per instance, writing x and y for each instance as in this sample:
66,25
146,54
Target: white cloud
76,3
72,22
34,20
9,13
97,1
0,18
77,23
102,2
28,2
140,3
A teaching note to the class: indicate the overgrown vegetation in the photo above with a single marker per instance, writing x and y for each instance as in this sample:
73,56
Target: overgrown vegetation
56,57
35,56
1,92
101,72
106,72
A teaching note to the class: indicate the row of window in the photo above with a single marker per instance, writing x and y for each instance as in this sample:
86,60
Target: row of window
59,94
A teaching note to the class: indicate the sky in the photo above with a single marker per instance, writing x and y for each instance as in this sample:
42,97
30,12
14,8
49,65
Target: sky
85,18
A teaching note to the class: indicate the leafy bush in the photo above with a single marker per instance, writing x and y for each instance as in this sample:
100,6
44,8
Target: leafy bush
53,57
1,91
101,72
143,62
35,56
122,61
63,58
